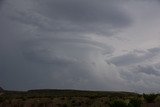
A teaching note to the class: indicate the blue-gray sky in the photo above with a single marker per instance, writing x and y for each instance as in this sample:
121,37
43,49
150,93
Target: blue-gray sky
80,44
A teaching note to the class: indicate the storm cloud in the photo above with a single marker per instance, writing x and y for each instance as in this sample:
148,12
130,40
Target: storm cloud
80,44
136,56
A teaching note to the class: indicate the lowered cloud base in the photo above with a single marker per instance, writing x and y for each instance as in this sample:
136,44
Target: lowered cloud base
80,44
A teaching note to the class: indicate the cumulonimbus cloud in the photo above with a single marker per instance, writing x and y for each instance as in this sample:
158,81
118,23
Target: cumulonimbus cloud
45,41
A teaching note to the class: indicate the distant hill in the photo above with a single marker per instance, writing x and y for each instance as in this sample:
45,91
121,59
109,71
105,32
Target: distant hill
75,98
63,98
1,89
82,93
47,93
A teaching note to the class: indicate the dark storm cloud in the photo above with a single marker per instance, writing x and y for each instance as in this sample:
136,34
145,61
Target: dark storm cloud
47,57
101,17
1,3
48,50
85,11
134,57
142,77
57,44
155,50
33,18
149,70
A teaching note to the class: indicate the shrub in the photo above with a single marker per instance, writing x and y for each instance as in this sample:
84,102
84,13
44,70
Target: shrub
23,98
135,102
2,99
118,103
157,98
64,105
149,97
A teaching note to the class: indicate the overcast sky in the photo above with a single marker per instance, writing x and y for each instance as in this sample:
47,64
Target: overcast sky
111,45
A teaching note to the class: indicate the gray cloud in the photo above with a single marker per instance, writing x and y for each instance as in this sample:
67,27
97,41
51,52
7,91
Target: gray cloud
1,3
59,44
134,57
149,70
84,11
155,50
74,16
139,69
142,77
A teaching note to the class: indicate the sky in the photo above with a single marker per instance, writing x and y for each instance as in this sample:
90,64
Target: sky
108,45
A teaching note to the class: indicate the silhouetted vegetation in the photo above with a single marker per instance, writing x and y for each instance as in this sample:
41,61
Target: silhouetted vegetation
74,98
149,97
135,102
118,103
